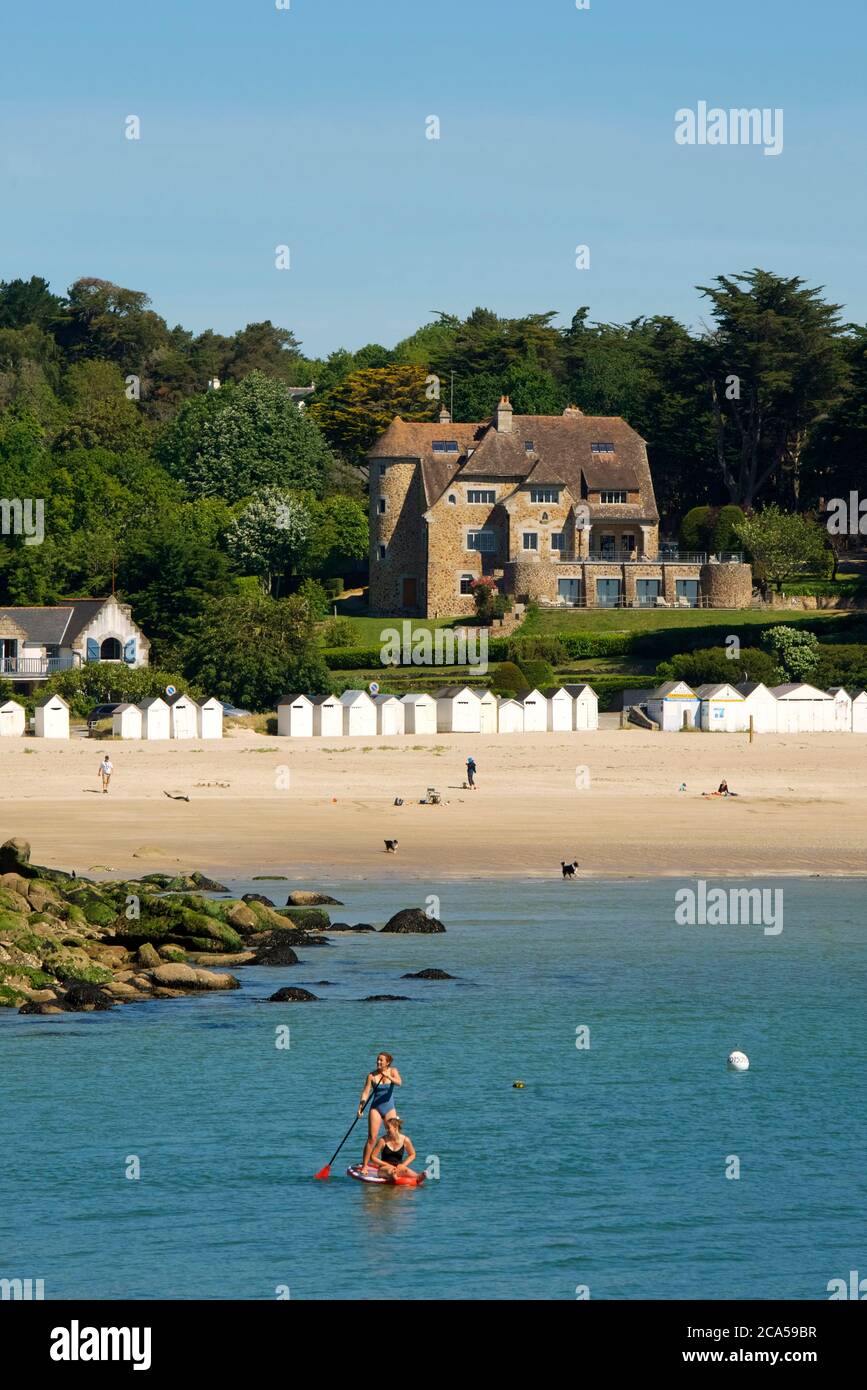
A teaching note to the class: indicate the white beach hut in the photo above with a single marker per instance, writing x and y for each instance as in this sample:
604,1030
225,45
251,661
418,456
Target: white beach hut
295,716
126,722
859,712
488,711
52,717
327,716
155,718
12,719
390,715
458,710
359,713
183,716
209,718
535,712
760,705
510,717
721,710
420,713
802,709
585,706
561,709
673,703
842,709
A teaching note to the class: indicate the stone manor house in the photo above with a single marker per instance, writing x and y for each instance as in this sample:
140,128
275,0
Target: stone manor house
558,509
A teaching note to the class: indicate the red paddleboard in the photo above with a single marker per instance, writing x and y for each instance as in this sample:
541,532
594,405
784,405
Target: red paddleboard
375,1176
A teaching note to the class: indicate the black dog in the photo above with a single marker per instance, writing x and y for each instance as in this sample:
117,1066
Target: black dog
391,846
569,869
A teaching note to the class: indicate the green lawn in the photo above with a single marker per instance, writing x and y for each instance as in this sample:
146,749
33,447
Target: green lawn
368,631
551,622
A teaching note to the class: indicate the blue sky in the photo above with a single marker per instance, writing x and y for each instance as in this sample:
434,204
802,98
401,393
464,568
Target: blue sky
306,127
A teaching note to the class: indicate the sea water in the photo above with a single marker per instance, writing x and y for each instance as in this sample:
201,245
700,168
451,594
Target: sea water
631,1164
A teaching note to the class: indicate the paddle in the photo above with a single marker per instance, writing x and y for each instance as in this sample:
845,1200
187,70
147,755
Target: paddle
326,1171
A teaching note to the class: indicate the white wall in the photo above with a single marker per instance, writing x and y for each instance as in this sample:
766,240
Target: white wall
52,720
12,719
390,715
459,714
510,717
295,720
155,721
420,717
561,711
535,713
328,719
184,718
209,719
126,723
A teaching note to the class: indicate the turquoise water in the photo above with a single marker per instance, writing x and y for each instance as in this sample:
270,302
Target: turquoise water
607,1170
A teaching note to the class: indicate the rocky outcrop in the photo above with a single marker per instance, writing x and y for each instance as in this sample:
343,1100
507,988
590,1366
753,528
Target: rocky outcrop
288,995
302,898
429,974
275,951
412,920
258,898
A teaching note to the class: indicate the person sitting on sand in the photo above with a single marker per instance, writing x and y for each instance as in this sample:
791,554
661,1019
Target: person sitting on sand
394,1151
382,1082
723,788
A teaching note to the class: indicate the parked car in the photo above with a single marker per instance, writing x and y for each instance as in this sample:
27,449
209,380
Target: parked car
232,712
101,712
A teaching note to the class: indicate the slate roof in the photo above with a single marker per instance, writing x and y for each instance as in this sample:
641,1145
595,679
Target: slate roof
57,624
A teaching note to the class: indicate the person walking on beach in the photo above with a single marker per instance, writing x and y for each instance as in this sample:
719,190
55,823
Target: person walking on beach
471,773
382,1082
106,768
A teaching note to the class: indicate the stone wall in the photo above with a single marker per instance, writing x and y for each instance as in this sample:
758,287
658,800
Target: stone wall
402,530
727,586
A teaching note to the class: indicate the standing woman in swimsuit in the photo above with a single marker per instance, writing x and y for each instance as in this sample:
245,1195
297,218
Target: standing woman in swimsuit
382,1082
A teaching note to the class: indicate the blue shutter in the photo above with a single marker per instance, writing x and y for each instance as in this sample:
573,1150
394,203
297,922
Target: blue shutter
92,649
129,651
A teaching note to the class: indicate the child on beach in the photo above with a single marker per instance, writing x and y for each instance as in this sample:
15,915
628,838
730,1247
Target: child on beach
471,773
106,768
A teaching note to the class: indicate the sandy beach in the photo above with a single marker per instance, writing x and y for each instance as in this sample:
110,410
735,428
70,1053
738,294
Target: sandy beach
310,808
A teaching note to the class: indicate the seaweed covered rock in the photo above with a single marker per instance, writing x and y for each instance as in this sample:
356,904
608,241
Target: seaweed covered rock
287,995
385,999
413,920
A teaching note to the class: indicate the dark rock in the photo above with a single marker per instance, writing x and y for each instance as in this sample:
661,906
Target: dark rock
344,926
257,898
275,953
148,955
428,975
413,920
323,982
15,859
303,898
385,999
207,885
86,998
311,918
291,996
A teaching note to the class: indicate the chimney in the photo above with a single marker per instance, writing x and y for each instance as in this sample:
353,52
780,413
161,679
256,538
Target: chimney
503,417
572,410
214,383
444,417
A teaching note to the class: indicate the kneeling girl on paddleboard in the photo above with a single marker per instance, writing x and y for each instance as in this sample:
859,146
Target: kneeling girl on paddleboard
382,1082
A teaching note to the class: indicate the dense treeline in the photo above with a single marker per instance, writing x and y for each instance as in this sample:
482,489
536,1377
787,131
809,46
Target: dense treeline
196,503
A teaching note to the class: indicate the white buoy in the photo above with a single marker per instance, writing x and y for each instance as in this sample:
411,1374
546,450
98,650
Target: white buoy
738,1061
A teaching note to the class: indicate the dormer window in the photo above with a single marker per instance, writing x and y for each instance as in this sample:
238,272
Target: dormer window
612,497
602,448
445,446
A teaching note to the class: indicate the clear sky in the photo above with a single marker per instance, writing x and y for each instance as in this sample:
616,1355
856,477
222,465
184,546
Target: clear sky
306,127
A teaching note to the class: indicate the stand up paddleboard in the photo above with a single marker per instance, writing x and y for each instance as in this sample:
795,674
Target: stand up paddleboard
374,1176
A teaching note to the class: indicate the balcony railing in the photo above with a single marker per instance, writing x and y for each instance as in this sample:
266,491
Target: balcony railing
34,667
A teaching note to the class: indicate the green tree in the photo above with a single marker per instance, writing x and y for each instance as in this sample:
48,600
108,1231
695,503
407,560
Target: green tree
340,536
356,411
101,415
231,442
252,649
268,537
715,665
783,545
775,365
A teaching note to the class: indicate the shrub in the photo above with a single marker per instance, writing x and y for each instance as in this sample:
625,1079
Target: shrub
315,596
98,682
713,664
508,679
552,649
796,651
338,632
539,674
694,528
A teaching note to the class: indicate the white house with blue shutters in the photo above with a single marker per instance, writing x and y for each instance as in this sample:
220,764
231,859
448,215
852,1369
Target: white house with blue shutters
37,642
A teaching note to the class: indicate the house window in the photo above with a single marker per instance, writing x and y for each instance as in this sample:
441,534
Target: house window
531,540
110,650
482,494
544,494
613,496
558,540
381,549
628,544
602,448
466,582
453,501
529,446
382,505
484,541
382,468
445,446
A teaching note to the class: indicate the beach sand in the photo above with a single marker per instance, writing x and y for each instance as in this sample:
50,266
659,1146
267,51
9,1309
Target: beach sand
318,807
